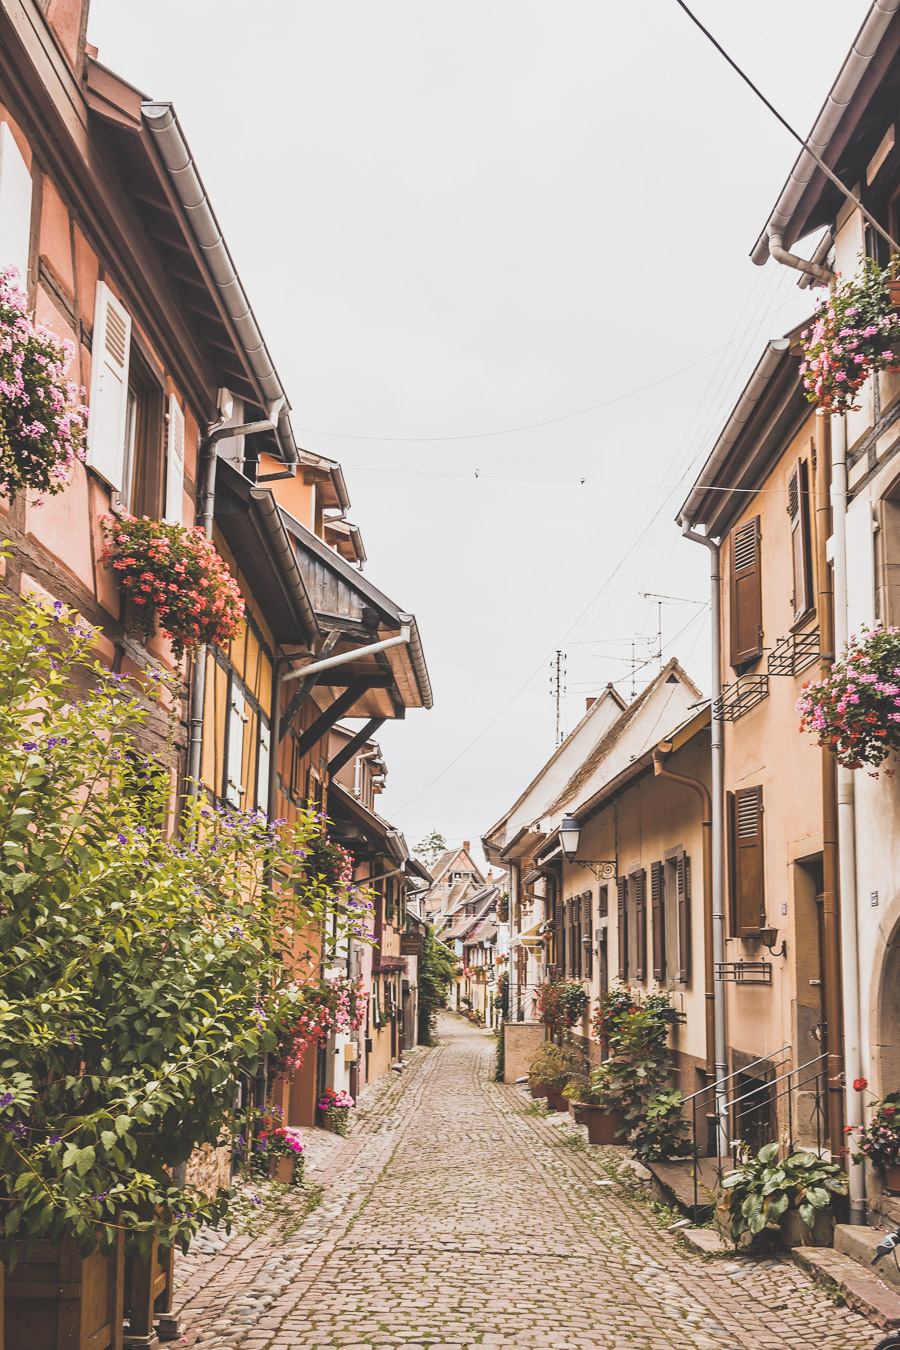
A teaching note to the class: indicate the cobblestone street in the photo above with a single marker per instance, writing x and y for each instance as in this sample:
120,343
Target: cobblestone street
456,1215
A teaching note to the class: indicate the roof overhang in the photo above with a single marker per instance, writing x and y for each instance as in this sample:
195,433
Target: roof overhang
347,603
770,409
522,845
251,526
845,134
368,835
643,764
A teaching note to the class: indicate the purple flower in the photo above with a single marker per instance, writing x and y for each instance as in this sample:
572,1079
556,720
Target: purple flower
122,838
6,1099
54,1138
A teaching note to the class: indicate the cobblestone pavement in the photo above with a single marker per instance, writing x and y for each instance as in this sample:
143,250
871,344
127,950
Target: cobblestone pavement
456,1215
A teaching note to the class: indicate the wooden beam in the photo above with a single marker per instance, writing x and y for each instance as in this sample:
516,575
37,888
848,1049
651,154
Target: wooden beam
354,745
326,720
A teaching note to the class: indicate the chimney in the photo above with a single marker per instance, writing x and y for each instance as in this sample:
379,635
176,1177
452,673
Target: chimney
68,20
466,845
589,703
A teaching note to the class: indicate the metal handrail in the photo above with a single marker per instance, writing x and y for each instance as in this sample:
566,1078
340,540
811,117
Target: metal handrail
711,1087
764,1087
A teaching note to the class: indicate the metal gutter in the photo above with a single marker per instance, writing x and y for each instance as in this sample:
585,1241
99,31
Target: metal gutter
843,90
173,148
753,392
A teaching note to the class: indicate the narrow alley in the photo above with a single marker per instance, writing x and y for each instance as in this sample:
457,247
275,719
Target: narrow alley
457,1214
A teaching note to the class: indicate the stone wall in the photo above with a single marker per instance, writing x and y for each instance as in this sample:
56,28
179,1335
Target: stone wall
208,1168
521,1042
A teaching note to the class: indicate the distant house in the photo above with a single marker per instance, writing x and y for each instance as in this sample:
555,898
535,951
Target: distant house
456,875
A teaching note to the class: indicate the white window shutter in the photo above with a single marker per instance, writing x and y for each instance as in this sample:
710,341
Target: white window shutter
15,206
262,769
236,720
175,462
109,386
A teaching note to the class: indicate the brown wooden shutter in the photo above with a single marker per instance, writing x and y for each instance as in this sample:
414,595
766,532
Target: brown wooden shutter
622,889
746,594
576,937
749,885
587,919
683,895
603,901
559,941
640,916
658,919
801,550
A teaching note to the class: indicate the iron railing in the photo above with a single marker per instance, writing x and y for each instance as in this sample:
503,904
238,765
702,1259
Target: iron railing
789,1108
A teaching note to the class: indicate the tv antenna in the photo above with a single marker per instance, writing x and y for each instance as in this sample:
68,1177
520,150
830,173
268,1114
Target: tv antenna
661,600
558,690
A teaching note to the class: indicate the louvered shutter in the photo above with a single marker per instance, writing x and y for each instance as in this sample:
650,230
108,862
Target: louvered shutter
640,918
658,919
15,207
175,462
559,939
234,787
622,890
577,954
683,895
587,919
746,594
262,769
109,387
749,885
798,511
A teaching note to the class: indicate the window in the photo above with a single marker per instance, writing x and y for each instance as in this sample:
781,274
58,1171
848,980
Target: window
683,910
746,594
887,557
559,937
748,907
263,760
801,545
234,755
15,207
175,462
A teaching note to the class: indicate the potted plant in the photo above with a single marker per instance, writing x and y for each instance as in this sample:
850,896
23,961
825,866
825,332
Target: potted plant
552,1068
175,577
880,1142
560,1004
335,1106
605,1125
276,1150
791,1196
854,710
855,331
42,414
612,1006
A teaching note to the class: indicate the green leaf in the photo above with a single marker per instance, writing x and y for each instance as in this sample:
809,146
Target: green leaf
84,1159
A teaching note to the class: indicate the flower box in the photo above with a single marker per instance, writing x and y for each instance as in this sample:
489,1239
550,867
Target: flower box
603,1125
579,1112
793,1232
556,1101
282,1170
60,1299
537,1089
892,1174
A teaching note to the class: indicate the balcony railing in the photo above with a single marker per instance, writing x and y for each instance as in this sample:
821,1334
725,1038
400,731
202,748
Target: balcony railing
740,697
794,653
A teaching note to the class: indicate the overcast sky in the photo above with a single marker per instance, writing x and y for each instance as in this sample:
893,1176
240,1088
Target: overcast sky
458,220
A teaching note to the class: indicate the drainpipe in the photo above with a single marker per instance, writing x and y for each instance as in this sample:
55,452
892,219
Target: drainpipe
848,932
343,658
708,962
717,830
810,268
207,512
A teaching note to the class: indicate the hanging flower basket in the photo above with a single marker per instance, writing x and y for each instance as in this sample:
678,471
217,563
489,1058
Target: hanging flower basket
320,1009
42,413
560,1004
176,578
856,330
855,710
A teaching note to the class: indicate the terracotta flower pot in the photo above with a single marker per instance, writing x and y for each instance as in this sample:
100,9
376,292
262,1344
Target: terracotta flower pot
537,1089
603,1125
556,1101
795,1233
892,1180
579,1111
283,1170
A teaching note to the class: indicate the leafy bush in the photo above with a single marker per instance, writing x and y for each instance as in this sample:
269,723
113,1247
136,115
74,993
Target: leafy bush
554,1065
435,975
560,1004
763,1188
634,1083
139,974
880,1140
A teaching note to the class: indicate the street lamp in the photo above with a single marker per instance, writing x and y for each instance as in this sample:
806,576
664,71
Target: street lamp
569,839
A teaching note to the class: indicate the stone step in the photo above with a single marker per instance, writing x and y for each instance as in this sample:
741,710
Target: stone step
863,1290
860,1241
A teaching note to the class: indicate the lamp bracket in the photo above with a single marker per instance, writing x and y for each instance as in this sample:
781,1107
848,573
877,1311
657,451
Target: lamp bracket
604,869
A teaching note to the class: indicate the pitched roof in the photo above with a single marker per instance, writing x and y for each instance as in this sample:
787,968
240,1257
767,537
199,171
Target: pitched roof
654,693
464,923
446,859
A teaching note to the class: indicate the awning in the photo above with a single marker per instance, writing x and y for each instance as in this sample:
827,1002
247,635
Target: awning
531,937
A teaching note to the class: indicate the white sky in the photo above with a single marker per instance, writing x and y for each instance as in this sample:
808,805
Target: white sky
462,218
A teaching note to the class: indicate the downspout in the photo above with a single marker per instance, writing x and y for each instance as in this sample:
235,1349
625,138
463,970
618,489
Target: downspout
206,516
811,268
847,956
708,964
717,754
